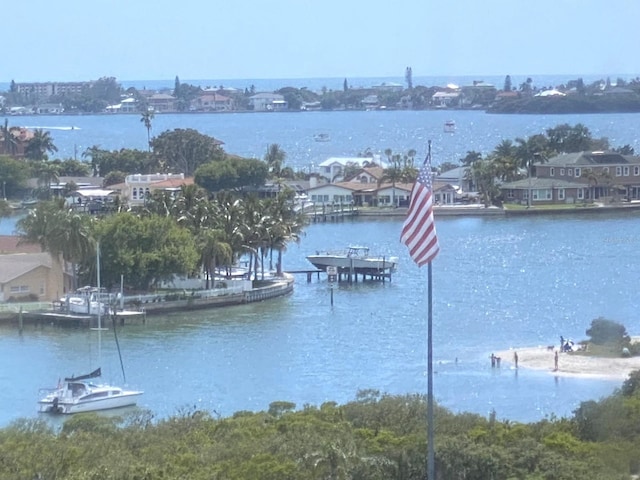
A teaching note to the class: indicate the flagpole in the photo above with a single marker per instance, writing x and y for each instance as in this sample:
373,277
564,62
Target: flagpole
419,235
431,468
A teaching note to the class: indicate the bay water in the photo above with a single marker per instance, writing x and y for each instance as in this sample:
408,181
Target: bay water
498,283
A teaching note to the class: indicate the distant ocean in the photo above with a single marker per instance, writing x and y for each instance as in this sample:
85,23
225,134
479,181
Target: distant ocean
336,83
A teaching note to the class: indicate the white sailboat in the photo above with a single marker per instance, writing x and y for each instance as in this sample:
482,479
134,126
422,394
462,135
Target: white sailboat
83,393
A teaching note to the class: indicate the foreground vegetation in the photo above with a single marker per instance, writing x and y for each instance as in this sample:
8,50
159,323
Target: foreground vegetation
374,437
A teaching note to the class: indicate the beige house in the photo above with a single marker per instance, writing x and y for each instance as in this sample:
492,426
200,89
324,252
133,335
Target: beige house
138,187
27,274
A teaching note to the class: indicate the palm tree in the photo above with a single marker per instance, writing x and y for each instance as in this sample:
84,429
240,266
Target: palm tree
39,145
146,118
214,251
59,231
94,152
275,158
47,175
286,225
72,236
392,173
10,144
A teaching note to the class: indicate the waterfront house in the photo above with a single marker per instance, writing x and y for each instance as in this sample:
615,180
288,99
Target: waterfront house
581,176
138,187
543,191
333,168
20,137
267,102
27,273
458,178
331,193
445,99
49,109
212,102
162,102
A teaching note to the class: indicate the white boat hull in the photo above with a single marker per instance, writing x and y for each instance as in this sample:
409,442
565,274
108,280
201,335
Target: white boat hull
126,399
81,394
359,265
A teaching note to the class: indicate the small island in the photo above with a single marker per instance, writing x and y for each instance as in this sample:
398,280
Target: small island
608,354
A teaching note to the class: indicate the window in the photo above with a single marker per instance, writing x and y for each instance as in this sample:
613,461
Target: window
134,193
605,169
561,194
618,171
625,171
570,172
552,172
542,194
562,172
636,170
578,172
580,193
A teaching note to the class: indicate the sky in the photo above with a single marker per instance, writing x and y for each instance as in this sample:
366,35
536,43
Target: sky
76,40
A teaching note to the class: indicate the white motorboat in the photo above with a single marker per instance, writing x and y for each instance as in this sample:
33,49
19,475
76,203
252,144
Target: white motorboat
86,300
322,137
82,394
356,259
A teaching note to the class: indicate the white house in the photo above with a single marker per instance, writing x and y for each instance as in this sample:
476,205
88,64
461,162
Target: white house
333,168
330,193
267,102
137,187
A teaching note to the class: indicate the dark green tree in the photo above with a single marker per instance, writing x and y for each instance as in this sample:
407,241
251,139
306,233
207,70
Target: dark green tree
507,83
184,150
231,174
145,250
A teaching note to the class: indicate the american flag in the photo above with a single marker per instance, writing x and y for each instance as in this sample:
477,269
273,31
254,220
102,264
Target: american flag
419,228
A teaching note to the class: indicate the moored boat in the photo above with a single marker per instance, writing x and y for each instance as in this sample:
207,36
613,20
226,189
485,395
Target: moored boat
449,126
322,137
81,394
356,259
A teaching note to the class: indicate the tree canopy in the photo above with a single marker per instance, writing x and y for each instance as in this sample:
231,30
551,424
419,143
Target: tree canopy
184,150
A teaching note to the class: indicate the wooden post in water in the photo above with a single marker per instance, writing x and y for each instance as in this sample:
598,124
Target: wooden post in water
20,324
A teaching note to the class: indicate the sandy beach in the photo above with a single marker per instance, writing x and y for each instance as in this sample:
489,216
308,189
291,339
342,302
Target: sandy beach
570,364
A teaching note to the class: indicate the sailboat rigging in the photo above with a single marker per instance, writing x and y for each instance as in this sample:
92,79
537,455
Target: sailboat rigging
81,394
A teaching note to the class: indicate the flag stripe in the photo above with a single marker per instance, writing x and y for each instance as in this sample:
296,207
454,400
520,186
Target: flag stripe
419,228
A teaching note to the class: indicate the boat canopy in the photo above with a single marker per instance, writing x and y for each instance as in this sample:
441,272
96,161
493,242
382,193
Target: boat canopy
96,373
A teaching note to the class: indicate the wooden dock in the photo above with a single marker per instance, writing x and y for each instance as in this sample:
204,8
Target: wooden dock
344,275
330,212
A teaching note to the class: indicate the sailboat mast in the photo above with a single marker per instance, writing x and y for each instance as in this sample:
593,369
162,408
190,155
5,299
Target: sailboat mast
98,284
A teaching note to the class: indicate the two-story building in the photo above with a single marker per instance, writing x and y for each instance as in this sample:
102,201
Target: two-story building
212,102
138,187
579,177
267,102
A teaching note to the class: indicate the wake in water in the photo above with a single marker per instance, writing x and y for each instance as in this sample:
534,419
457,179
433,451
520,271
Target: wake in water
55,128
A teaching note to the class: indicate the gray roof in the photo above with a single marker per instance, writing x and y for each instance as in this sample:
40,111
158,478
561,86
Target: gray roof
580,159
16,265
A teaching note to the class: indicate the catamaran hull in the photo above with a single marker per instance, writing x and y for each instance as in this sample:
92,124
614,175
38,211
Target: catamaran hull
51,405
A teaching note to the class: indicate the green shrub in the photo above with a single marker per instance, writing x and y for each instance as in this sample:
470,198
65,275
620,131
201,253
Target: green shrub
607,331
